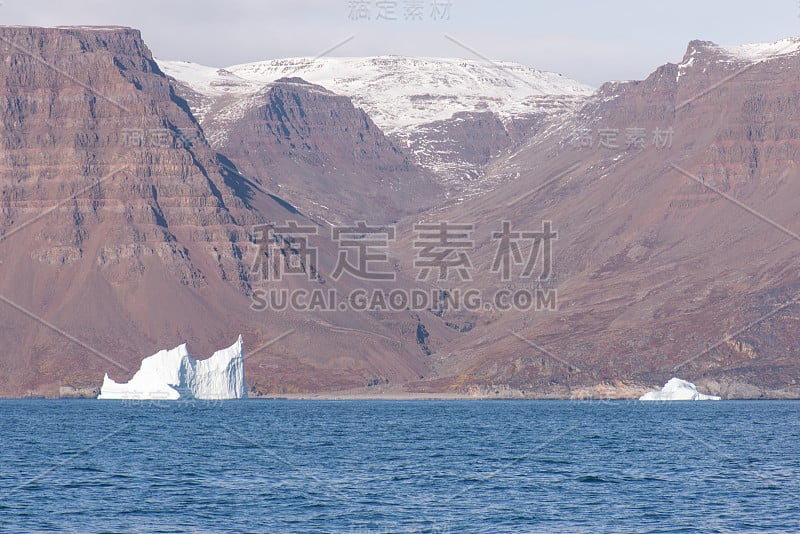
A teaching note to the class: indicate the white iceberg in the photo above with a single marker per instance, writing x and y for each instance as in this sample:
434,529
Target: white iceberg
173,374
677,390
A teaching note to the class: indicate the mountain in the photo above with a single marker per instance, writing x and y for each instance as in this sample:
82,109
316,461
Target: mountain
127,224
122,231
402,93
325,155
675,203
417,102
96,222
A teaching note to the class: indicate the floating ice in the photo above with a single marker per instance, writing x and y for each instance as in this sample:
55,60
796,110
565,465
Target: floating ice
173,374
677,390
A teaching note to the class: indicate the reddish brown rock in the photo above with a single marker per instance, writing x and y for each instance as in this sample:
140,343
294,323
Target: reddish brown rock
325,155
123,233
657,274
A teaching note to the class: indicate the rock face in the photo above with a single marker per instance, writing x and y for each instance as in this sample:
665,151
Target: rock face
326,156
173,374
146,185
675,206
122,230
427,106
460,147
104,207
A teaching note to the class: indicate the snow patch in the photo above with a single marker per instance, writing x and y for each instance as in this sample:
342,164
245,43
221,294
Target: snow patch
762,51
174,374
683,67
87,28
677,390
398,93
208,81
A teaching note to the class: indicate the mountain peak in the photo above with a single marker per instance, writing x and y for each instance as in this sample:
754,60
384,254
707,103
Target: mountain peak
745,53
399,93
292,79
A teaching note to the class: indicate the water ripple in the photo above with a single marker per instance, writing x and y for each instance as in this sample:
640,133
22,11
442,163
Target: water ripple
400,467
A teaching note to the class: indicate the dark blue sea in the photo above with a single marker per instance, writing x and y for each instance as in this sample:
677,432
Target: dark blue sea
381,466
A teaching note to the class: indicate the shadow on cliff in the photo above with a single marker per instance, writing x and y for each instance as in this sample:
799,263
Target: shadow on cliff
245,188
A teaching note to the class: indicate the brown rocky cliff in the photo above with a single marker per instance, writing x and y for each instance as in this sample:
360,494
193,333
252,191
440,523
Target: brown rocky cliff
655,270
111,203
131,123
326,155
460,147
124,233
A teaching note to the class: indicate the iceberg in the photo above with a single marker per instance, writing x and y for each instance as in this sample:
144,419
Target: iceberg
174,374
677,390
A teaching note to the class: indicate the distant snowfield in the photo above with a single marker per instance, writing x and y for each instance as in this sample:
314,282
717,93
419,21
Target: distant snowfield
750,53
762,51
208,81
400,93
397,92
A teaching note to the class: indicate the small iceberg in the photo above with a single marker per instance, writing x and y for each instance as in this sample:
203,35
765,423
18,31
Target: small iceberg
677,390
174,374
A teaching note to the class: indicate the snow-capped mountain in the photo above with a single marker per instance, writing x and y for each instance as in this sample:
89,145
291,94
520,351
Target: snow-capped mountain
404,92
760,51
418,102
655,258
398,93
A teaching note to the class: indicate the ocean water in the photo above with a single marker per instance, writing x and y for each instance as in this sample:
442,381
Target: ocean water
381,466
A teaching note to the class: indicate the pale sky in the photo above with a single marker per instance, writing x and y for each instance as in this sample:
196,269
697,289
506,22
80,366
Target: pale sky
591,42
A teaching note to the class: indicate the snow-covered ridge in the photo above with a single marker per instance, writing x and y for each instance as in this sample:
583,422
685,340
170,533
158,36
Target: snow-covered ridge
761,51
752,52
397,92
173,374
208,81
91,28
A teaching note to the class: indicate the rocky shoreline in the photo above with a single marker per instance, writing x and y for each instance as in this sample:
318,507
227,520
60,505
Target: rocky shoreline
621,391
